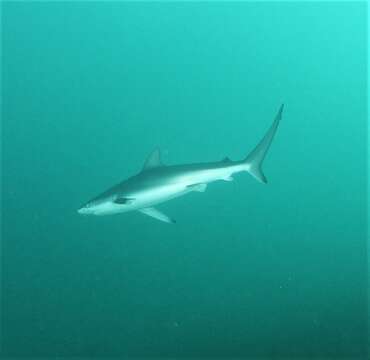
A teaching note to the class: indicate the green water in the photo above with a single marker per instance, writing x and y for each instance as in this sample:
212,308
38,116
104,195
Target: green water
249,270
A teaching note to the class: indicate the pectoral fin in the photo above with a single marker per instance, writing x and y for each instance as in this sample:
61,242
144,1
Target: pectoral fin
156,214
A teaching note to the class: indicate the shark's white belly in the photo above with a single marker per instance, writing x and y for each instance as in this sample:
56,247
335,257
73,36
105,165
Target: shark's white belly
160,194
145,199
179,187
183,185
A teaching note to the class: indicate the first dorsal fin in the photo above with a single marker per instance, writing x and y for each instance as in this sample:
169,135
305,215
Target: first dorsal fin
226,159
153,160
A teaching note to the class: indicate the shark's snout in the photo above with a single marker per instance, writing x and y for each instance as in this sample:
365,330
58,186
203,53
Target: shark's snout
83,210
86,209
97,208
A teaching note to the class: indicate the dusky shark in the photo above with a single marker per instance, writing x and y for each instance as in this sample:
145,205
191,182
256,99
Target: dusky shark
157,183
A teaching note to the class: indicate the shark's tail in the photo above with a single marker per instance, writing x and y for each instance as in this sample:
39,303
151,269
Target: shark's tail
255,159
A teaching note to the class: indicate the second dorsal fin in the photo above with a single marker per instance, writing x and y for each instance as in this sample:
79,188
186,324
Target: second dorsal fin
153,160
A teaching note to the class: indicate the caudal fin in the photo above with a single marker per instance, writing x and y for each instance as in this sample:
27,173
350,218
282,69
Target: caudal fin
255,159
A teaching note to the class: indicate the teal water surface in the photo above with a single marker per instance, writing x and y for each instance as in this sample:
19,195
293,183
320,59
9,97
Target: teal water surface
276,270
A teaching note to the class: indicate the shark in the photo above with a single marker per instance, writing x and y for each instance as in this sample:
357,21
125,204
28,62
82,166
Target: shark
157,183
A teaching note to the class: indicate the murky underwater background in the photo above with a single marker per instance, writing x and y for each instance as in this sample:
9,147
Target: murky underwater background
276,270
